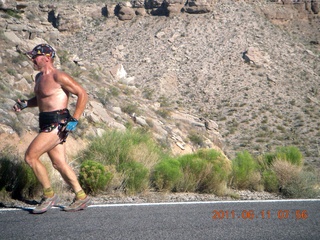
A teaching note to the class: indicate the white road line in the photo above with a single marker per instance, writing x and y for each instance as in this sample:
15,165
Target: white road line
173,203
201,202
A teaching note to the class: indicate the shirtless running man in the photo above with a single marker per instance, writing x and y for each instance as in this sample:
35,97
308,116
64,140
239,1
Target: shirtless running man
52,90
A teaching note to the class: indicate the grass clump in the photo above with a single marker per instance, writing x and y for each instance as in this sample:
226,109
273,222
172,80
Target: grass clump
135,177
205,171
115,148
93,177
16,177
166,174
294,182
132,154
304,185
283,172
270,181
194,171
288,153
245,172
196,139
220,169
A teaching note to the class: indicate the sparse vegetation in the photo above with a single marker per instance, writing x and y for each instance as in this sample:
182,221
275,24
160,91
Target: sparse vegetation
16,177
255,113
245,173
166,174
93,177
130,109
196,138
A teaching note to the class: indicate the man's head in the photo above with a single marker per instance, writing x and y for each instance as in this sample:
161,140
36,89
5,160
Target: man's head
42,49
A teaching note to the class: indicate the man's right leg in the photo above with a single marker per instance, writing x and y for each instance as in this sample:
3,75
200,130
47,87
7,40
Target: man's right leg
58,158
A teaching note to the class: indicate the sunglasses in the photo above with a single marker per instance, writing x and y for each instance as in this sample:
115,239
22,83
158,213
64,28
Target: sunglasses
34,56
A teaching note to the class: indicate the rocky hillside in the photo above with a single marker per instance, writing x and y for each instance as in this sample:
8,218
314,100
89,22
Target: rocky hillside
238,75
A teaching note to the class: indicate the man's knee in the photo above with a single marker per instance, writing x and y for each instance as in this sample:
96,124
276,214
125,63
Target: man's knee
60,166
29,160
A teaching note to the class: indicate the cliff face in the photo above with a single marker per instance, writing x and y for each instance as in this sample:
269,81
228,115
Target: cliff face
239,75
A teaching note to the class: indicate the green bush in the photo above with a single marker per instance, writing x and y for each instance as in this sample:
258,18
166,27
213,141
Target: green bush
115,148
245,171
218,170
93,176
289,153
205,171
136,177
194,173
26,184
6,173
166,174
16,177
127,151
270,181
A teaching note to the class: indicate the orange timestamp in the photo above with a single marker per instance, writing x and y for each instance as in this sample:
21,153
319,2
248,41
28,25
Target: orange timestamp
262,214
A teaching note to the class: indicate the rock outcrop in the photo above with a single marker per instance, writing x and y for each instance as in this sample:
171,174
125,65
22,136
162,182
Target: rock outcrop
163,65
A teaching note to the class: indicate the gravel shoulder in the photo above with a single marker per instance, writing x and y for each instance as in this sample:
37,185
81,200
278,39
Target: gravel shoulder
149,197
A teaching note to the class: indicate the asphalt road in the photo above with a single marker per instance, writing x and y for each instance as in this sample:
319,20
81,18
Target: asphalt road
282,219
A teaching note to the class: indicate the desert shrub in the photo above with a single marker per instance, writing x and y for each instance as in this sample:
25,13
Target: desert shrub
205,171
245,171
103,95
166,174
136,177
110,148
289,153
221,165
93,176
302,185
130,109
195,138
295,182
220,169
268,158
270,181
194,171
6,173
26,184
17,177
115,148
128,151
285,171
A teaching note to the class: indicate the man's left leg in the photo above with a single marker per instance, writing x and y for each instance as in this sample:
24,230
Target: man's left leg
58,158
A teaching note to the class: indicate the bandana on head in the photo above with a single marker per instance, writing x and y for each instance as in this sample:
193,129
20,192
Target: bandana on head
42,49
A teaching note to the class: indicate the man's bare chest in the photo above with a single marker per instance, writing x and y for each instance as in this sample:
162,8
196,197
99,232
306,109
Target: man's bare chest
46,87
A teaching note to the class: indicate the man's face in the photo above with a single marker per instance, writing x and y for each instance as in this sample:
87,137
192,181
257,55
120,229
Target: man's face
38,61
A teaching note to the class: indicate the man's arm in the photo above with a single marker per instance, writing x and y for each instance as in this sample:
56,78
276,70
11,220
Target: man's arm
22,104
71,86
32,102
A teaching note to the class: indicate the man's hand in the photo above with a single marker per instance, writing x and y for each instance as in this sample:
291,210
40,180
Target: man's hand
20,105
71,125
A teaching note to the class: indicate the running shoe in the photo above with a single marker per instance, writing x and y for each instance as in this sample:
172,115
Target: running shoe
78,204
46,204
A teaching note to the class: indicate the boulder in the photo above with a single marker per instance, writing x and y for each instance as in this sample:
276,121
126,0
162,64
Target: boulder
7,5
125,13
315,7
68,21
174,7
197,7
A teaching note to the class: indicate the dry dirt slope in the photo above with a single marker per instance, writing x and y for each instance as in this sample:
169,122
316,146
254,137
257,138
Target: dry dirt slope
195,62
